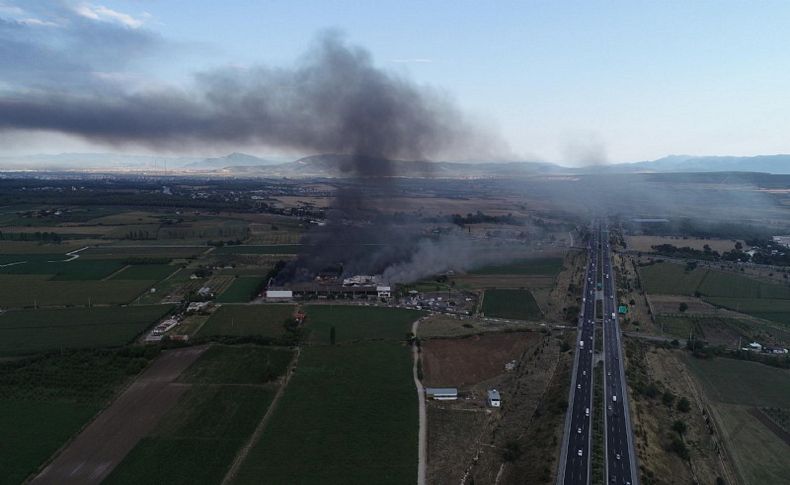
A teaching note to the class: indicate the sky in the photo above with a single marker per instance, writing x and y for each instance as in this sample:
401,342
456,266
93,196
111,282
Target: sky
567,82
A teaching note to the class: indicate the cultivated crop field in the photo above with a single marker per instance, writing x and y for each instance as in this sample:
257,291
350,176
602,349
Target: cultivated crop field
150,272
348,415
125,251
242,290
238,364
536,266
260,249
28,331
248,320
512,304
671,279
45,400
745,295
197,440
19,291
769,309
354,323
736,388
66,270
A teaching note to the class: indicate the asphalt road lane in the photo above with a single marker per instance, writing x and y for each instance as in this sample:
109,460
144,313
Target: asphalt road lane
575,459
620,459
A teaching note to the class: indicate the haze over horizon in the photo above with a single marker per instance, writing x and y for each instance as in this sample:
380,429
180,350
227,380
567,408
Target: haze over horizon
704,78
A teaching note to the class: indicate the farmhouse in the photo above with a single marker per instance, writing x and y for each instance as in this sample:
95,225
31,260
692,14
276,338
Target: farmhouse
279,294
442,393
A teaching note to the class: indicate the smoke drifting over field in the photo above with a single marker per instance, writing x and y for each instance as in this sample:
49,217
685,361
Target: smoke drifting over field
334,100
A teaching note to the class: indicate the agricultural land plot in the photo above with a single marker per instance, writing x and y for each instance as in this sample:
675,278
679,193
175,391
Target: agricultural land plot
718,283
66,270
230,389
248,320
45,400
769,309
125,251
260,249
242,290
671,304
150,272
671,279
511,304
348,415
238,364
645,243
101,446
354,323
466,361
29,258
736,389
715,330
538,266
20,291
29,331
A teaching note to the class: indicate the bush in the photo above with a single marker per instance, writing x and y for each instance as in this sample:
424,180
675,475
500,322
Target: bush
512,451
668,398
684,405
679,427
679,447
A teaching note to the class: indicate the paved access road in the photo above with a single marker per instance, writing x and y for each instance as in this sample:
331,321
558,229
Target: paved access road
574,466
620,458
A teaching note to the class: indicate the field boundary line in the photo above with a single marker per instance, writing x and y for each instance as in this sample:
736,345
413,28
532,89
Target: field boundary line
256,435
422,440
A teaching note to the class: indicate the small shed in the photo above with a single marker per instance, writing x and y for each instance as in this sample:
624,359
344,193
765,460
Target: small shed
442,393
279,294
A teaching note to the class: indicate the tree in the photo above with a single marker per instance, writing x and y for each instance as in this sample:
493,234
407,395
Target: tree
332,335
683,307
679,447
684,405
679,427
668,398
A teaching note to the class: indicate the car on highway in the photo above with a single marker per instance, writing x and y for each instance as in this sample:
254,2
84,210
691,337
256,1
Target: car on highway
579,430
579,452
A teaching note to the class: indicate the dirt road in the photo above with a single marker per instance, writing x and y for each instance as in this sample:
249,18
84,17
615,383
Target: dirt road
105,442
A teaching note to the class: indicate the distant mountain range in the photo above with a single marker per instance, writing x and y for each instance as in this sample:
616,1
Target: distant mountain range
778,164
328,165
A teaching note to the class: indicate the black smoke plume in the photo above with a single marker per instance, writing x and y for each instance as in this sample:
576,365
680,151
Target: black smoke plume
335,100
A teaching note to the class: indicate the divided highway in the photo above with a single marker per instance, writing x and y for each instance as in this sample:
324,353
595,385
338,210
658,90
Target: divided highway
620,457
574,466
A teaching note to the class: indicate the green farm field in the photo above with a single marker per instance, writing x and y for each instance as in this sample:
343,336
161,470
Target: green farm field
197,441
248,320
150,272
18,291
28,331
260,249
354,323
673,279
742,382
538,266
45,400
512,304
124,251
769,309
736,388
238,364
78,269
348,415
242,289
